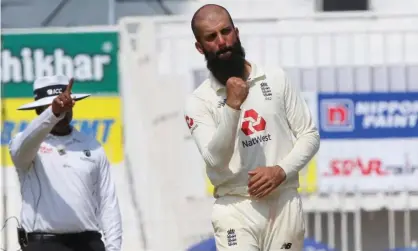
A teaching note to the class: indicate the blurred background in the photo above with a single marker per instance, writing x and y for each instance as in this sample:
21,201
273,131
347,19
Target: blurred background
355,61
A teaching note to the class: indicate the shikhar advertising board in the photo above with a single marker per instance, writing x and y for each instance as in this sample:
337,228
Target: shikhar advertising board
89,57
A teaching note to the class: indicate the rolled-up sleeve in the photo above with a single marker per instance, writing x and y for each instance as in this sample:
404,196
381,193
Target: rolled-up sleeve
215,141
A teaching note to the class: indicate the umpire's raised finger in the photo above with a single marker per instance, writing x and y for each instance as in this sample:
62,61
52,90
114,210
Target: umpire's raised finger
58,100
69,86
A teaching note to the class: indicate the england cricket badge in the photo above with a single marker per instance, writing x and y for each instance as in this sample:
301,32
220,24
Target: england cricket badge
61,150
87,153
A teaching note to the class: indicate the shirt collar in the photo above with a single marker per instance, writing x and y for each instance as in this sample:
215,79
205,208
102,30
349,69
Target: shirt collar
256,74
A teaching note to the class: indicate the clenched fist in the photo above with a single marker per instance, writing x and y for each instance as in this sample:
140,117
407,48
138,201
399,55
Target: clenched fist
236,92
64,102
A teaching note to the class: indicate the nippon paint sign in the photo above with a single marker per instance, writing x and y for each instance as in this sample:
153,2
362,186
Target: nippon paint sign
368,115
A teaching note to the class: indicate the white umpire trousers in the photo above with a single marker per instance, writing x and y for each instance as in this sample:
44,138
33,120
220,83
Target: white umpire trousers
274,223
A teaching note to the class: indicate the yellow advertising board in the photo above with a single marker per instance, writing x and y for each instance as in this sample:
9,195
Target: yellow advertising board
96,116
307,179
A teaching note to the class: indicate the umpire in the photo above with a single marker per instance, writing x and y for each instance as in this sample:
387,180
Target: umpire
68,194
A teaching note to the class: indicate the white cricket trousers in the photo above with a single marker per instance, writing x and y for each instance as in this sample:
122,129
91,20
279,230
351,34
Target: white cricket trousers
274,223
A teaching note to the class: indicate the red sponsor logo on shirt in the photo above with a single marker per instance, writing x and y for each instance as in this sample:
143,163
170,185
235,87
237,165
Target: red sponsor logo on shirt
45,149
190,123
253,123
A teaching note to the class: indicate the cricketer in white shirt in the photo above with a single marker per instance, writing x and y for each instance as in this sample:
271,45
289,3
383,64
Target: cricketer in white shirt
272,128
66,182
233,142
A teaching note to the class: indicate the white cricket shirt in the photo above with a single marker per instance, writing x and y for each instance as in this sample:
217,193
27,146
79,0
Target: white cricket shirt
273,127
65,181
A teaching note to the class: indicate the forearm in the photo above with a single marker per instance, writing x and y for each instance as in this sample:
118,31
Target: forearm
303,151
111,224
110,216
302,126
24,147
221,147
113,236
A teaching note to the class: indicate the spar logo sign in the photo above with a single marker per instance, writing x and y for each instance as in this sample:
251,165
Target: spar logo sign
368,115
368,167
253,124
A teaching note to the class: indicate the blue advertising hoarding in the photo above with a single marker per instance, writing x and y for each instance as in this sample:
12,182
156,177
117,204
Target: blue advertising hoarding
368,115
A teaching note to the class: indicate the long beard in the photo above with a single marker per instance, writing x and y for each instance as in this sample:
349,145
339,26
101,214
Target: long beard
223,69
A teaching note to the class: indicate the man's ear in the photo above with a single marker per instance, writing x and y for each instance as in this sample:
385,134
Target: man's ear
199,47
237,32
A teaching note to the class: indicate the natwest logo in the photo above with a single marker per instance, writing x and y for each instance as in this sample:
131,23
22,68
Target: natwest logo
253,123
356,166
190,123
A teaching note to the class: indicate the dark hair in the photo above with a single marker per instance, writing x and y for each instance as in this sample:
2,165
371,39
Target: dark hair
193,22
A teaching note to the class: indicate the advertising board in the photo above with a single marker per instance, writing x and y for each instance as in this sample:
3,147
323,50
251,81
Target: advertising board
368,115
368,141
96,116
368,165
26,56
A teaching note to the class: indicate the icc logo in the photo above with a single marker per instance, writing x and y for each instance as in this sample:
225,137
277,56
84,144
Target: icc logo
252,123
54,91
337,115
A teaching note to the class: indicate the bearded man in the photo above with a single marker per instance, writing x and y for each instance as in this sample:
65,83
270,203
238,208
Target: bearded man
255,132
